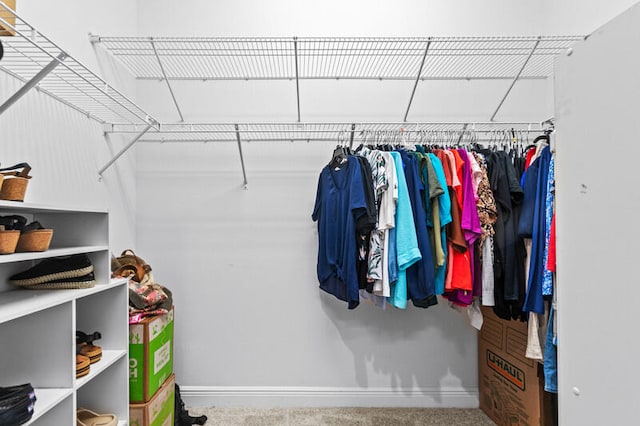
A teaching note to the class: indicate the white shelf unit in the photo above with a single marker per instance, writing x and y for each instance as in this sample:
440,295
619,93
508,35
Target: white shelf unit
37,327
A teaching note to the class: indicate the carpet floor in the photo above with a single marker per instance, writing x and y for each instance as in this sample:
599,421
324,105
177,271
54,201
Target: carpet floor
342,416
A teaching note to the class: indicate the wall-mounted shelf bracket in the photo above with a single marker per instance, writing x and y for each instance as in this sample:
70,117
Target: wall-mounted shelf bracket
415,85
125,149
295,49
33,81
516,78
166,80
244,172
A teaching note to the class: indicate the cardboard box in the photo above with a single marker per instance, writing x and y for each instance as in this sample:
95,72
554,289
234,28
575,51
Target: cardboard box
150,356
157,412
9,17
511,386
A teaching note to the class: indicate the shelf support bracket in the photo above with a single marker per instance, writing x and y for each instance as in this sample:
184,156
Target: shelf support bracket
244,172
34,80
164,76
353,131
295,51
415,85
123,150
516,78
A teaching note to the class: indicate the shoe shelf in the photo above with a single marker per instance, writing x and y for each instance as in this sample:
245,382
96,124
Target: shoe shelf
48,398
18,303
108,358
37,327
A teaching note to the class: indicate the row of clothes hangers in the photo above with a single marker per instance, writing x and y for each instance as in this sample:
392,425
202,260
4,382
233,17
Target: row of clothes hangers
513,141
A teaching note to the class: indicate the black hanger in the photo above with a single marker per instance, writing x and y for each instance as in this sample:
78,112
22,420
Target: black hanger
339,157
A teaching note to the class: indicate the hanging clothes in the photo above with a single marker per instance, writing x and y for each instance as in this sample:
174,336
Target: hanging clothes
509,252
401,225
459,284
386,222
366,223
441,210
340,202
534,299
407,251
420,275
380,184
488,214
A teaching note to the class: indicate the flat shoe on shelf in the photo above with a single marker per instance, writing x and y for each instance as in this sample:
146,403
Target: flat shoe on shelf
89,418
55,268
85,281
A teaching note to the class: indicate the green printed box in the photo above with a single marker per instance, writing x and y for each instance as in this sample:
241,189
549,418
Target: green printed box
150,356
157,412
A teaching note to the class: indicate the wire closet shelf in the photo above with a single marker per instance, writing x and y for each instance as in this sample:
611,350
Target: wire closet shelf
382,58
38,62
338,131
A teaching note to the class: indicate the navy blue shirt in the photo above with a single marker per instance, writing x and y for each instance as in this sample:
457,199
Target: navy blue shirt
420,275
340,201
534,301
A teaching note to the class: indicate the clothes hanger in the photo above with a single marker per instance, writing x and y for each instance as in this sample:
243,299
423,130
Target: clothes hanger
339,155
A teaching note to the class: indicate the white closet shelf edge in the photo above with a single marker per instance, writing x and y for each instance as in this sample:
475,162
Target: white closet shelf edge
47,398
109,357
52,252
44,208
18,303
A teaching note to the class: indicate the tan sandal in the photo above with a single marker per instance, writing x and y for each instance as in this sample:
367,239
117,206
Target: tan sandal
86,347
89,418
14,185
82,366
93,352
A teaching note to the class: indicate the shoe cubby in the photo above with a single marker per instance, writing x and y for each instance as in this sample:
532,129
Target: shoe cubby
93,395
62,413
38,327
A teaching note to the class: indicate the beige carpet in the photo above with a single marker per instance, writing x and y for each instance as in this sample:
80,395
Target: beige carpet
342,416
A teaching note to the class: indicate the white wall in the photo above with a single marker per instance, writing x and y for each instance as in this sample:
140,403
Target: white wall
252,327
64,147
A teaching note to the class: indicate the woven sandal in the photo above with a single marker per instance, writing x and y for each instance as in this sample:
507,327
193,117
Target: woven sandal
89,418
82,365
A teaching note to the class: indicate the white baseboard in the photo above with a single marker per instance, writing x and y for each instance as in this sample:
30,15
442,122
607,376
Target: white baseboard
268,396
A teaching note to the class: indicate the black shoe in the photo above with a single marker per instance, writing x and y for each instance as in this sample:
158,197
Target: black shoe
10,392
53,269
85,281
16,404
